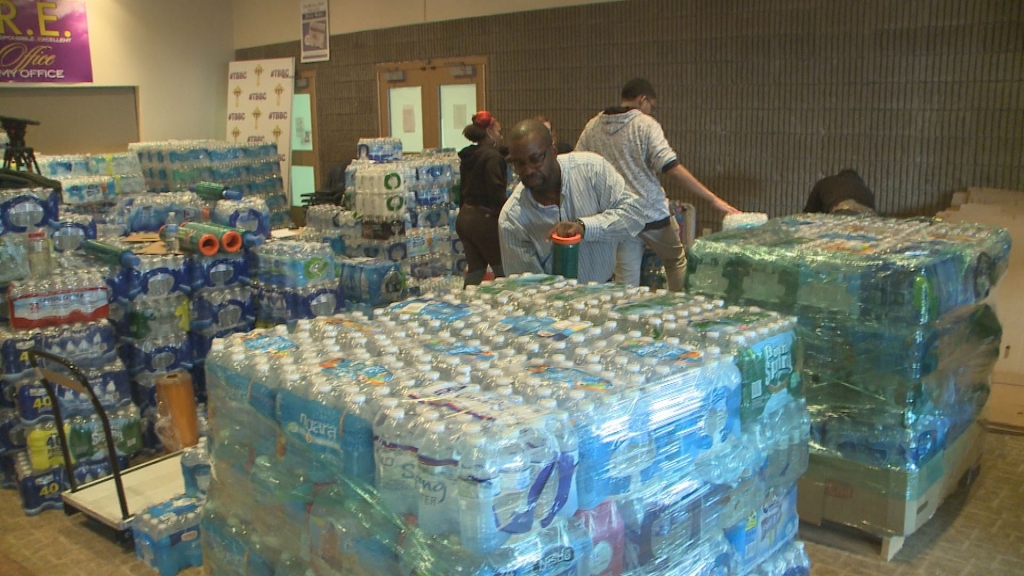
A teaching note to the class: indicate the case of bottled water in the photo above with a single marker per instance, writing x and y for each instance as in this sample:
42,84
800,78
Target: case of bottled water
25,209
488,436
88,344
72,296
71,230
899,340
279,305
291,264
62,166
375,282
251,214
149,212
167,535
379,149
221,270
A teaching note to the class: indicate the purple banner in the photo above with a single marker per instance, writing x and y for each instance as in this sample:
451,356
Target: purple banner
44,41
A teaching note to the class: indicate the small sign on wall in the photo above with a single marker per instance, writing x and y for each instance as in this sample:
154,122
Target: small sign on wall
316,33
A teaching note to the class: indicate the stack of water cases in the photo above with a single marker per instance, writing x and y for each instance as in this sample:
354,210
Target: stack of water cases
149,312
91,184
253,170
223,302
150,212
613,433
900,344
296,280
373,282
167,535
22,211
407,214
66,314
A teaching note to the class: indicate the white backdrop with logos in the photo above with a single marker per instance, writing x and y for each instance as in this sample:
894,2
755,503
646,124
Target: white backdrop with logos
260,107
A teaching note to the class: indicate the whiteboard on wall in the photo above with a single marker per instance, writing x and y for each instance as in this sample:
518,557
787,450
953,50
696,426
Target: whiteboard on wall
75,120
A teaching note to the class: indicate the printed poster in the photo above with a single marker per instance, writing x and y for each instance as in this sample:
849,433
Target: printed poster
44,41
316,34
260,107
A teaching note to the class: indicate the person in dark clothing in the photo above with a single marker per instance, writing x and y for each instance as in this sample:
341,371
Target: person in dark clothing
840,191
560,146
484,173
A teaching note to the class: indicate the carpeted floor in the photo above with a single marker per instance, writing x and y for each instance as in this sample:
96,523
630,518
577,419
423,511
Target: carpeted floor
979,531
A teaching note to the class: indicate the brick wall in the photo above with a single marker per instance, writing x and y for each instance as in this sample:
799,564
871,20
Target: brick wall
760,99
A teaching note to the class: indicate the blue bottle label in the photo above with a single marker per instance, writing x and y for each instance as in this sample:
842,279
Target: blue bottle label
549,328
449,349
310,422
274,345
434,310
356,371
570,377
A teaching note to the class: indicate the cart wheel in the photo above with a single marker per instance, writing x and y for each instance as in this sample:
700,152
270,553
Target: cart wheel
125,537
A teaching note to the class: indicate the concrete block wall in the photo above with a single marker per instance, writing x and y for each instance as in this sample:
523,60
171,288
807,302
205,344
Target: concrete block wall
760,99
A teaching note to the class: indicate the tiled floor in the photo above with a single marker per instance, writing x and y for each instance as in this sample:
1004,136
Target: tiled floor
978,531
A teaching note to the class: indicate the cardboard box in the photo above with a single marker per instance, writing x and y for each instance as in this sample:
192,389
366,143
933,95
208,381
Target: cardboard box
1005,409
881,501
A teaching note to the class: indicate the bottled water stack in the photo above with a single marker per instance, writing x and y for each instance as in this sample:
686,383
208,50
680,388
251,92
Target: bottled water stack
94,182
296,280
481,438
899,340
404,211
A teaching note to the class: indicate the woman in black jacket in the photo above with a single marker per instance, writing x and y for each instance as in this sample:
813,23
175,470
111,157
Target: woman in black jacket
482,194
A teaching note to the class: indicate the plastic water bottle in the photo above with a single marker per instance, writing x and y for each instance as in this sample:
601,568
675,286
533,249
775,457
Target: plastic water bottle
40,254
195,467
592,478
170,232
477,488
561,488
357,437
437,472
395,456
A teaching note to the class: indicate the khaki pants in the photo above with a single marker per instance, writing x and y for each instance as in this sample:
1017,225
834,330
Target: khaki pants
665,243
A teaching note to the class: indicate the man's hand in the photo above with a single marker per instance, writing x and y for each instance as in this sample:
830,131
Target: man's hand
567,229
727,208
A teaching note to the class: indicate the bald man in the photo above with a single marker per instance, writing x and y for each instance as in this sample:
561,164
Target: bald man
575,193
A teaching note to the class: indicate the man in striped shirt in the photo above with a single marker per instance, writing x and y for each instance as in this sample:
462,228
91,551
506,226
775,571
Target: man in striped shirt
568,194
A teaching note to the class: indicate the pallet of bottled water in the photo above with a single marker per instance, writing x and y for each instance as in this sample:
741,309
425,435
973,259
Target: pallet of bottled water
252,170
900,342
617,431
176,164
899,395
399,210
96,178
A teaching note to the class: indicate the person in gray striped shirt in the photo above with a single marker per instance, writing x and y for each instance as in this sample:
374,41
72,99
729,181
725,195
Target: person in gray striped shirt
568,194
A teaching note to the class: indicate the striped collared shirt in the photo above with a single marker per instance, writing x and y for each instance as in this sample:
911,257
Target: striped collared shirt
593,192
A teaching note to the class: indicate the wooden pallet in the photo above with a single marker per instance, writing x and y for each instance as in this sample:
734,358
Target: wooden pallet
856,540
